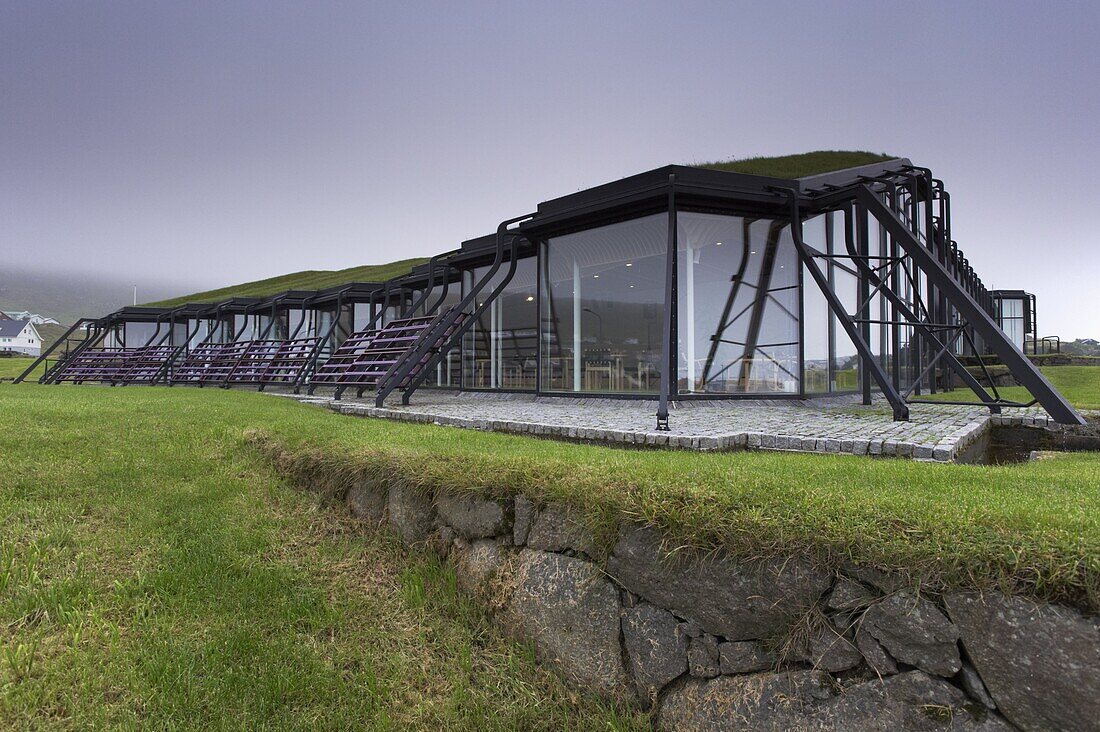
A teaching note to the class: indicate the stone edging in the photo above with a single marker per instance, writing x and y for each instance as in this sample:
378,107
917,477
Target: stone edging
952,446
714,643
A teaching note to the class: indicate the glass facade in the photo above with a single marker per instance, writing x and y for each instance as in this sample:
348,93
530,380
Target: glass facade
831,363
603,308
1010,313
737,306
448,372
500,350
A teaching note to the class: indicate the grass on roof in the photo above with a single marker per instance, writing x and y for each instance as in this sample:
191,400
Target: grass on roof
307,280
800,165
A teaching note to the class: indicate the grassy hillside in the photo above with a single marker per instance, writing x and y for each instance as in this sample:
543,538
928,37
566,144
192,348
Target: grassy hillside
800,165
308,280
66,296
1079,384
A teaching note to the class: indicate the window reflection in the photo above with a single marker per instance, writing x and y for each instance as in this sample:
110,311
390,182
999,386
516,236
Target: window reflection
603,308
501,347
737,305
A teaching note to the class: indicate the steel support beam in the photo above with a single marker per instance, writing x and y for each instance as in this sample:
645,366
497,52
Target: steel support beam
900,408
1022,369
668,352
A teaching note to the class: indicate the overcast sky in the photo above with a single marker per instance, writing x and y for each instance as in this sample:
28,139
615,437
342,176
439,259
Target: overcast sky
215,142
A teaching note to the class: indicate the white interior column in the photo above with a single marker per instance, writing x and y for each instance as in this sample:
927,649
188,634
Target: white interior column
688,321
493,337
576,325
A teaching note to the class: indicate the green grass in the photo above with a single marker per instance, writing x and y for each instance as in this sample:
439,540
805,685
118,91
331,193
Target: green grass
156,573
1079,384
307,280
800,165
12,367
155,570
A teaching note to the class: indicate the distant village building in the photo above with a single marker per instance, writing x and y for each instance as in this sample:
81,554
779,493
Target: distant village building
20,336
34,318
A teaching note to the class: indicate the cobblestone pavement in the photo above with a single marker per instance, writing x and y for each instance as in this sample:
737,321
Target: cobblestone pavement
940,433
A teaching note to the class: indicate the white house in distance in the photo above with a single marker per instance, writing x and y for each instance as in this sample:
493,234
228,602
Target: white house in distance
35,318
20,336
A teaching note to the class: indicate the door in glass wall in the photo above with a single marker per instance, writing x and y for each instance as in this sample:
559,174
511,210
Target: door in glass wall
737,299
501,348
603,308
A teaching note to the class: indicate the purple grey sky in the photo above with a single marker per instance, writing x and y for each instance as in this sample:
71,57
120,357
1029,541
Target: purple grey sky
215,142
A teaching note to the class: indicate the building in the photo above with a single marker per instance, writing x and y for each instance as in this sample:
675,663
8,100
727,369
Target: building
34,318
678,283
20,336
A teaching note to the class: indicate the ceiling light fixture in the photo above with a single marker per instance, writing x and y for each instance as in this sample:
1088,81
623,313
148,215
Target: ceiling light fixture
530,298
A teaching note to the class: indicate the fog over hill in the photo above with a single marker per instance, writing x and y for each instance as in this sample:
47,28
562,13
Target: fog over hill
67,296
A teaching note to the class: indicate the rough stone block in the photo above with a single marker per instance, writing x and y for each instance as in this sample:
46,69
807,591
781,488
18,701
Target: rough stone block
1040,663
702,657
558,528
474,517
523,514
914,631
744,657
475,564
411,512
367,502
736,600
807,700
656,647
571,613
848,595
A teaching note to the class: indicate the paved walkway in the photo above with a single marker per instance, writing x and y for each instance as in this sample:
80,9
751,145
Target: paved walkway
940,433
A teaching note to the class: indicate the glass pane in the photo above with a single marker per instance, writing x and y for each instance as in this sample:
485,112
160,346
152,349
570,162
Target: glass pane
737,305
846,286
815,312
448,372
603,312
501,347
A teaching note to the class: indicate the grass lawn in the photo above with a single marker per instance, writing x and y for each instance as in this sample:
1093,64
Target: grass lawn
12,367
1079,384
156,573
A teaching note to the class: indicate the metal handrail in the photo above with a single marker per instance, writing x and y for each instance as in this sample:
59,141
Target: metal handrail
413,356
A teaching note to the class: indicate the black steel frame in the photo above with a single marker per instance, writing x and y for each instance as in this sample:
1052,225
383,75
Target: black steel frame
917,289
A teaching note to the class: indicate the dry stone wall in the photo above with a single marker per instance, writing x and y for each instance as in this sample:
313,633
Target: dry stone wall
712,643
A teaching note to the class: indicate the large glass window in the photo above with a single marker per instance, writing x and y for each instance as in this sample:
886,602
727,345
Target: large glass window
138,334
448,372
845,375
737,305
501,348
1011,311
603,308
815,312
